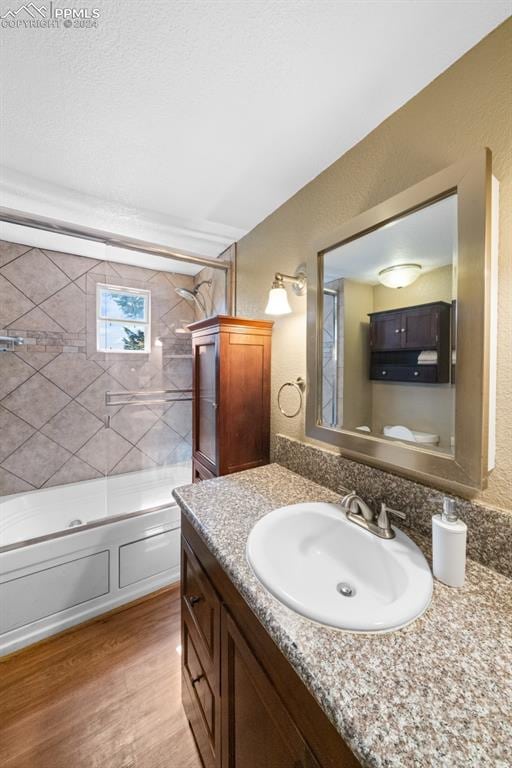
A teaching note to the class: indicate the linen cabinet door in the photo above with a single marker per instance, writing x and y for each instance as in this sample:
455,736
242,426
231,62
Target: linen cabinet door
205,396
257,730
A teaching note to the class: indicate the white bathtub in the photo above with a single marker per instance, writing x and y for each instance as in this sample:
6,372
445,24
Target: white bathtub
53,576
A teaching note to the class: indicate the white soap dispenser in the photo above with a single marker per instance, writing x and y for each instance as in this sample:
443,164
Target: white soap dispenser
449,546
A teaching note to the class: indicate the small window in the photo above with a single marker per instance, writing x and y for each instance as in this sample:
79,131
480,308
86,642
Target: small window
123,319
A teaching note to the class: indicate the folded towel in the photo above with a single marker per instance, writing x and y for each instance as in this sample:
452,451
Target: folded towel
427,358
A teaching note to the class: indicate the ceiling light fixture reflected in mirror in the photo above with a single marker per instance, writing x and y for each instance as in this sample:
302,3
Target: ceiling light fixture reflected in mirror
399,275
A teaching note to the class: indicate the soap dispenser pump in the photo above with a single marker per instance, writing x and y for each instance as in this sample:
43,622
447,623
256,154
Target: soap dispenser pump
449,546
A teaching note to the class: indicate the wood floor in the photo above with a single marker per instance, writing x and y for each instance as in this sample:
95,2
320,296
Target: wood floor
105,695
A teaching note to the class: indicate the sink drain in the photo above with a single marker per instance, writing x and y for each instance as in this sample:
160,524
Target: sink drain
345,589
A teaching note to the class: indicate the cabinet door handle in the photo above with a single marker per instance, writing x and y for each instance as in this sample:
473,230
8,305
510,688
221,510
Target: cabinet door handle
416,373
383,373
197,679
194,600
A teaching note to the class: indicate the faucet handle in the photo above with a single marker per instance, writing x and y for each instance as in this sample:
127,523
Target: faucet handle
383,518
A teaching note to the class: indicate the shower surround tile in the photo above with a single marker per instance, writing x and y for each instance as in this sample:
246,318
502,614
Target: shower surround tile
72,266
14,373
72,427
489,530
67,307
104,450
14,432
35,275
14,303
73,471
11,251
72,373
52,390
36,460
9,483
36,401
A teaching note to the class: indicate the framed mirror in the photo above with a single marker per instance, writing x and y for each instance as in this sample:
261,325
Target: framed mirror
399,306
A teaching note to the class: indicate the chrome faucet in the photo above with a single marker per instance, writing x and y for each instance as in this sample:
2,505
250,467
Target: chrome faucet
358,512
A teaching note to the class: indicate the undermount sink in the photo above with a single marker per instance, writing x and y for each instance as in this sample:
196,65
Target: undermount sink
317,562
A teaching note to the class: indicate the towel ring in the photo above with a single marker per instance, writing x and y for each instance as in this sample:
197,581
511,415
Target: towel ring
300,385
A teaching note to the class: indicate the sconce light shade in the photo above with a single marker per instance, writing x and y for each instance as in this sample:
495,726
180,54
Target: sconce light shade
278,303
400,275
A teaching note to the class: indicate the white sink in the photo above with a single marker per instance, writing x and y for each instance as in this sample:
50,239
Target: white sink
321,565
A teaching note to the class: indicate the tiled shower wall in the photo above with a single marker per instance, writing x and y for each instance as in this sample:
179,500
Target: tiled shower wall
52,389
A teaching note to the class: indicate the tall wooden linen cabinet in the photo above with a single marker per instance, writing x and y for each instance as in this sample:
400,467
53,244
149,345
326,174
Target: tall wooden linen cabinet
231,395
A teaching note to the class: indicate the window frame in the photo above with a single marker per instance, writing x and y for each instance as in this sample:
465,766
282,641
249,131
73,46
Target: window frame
146,324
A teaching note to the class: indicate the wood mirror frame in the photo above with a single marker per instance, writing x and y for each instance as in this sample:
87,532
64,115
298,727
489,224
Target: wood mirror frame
467,468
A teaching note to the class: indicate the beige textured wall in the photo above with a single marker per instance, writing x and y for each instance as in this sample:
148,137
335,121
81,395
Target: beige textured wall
467,107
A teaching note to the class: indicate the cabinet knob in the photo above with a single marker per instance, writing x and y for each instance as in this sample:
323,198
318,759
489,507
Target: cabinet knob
416,373
215,406
194,600
197,679
383,373
397,330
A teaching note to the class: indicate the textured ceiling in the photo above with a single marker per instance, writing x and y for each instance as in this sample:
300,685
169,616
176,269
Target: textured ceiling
216,112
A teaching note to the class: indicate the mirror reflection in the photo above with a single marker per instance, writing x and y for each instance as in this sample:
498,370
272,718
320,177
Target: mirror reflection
388,332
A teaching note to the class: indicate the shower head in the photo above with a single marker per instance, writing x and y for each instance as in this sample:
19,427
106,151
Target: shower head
194,295
185,293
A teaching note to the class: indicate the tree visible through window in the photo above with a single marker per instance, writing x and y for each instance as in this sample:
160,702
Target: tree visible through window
123,319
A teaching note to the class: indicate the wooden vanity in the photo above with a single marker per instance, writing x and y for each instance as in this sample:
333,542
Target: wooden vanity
246,706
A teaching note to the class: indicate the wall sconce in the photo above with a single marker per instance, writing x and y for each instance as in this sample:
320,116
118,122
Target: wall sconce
278,303
400,275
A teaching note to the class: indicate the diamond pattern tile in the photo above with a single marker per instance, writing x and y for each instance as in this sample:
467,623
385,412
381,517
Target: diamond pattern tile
36,401
181,452
159,442
104,450
36,460
36,320
13,305
130,273
132,422
67,307
36,359
93,398
35,275
14,432
73,266
10,251
13,372
72,372
73,471
134,461
9,483
72,427
179,418
137,374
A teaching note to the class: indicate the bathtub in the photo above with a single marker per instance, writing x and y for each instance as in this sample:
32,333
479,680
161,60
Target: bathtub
72,552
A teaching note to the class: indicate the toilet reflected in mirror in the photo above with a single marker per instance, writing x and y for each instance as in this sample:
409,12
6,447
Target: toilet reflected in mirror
388,331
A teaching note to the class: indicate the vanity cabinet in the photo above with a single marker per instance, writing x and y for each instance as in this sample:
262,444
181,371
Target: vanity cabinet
246,706
398,337
231,395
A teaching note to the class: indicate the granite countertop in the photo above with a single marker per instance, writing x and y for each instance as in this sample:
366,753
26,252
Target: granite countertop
436,693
